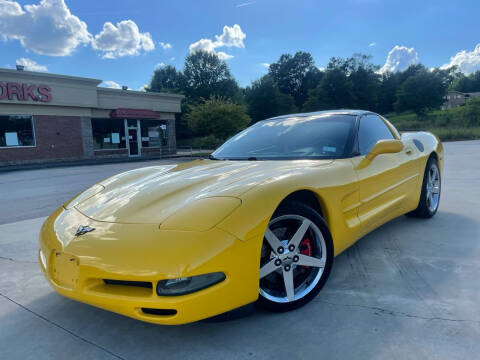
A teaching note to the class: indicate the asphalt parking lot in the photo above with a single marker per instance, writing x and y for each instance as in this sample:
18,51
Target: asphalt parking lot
409,290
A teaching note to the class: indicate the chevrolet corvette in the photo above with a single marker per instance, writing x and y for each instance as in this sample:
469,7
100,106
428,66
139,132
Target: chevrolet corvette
260,220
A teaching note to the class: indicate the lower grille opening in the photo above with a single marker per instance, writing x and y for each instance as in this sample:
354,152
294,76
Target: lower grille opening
162,312
142,284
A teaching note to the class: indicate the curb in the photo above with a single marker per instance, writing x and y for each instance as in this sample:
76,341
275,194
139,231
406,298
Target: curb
46,165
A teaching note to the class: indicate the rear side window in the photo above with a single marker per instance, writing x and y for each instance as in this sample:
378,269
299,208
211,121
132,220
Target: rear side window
371,129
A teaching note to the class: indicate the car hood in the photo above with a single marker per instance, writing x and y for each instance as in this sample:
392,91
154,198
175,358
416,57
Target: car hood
152,194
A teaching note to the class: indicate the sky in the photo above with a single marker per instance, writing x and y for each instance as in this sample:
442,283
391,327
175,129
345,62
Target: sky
122,41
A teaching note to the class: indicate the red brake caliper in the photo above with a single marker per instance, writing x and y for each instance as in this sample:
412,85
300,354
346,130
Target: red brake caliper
306,246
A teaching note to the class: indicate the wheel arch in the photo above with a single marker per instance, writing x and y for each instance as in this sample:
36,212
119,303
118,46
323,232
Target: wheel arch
433,154
310,198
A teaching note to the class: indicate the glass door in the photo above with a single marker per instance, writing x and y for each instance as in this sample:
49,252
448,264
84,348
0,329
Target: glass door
132,128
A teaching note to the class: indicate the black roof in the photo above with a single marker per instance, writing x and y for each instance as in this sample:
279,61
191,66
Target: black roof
325,112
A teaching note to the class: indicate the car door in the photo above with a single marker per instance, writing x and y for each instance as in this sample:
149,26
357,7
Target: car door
388,180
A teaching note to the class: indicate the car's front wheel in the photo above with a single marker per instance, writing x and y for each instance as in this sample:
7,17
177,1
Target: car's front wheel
296,257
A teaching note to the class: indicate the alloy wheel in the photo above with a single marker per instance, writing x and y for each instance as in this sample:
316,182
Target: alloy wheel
433,188
293,258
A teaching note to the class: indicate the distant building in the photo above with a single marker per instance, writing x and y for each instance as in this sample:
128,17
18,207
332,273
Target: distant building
48,117
457,98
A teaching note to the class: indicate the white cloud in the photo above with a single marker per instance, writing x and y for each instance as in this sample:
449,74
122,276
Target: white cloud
143,87
165,46
110,84
372,44
31,65
267,65
202,44
48,28
160,65
125,39
224,56
399,58
231,37
245,4
466,61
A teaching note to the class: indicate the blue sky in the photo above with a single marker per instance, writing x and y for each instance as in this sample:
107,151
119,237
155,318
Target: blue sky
121,41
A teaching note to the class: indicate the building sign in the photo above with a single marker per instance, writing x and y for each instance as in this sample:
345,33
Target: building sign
123,113
25,92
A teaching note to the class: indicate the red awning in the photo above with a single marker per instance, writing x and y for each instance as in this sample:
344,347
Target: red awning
134,114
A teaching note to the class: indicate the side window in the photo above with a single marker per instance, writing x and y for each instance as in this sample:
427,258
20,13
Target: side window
371,129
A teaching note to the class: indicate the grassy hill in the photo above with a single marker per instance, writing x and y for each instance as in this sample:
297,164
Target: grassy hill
461,123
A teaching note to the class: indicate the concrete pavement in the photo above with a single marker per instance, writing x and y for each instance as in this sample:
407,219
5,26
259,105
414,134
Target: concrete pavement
409,290
27,194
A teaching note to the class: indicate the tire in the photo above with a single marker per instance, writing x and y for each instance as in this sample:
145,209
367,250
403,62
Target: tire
309,242
431,189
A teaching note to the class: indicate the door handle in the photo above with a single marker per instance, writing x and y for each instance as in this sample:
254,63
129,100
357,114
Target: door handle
408,151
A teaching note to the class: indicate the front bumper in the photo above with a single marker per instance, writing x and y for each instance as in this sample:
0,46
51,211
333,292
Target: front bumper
77,266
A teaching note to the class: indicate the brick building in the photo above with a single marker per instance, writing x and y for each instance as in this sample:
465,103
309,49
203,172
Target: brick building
47,117
457,98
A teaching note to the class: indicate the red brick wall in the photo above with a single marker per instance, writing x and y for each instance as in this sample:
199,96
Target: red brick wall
57,137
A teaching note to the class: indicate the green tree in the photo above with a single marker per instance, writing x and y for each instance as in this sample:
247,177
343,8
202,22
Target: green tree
423,91
206,75
264,100
363,77
219,117
412,70
182,129
470,83
365,89
295,75
333,92
471,112
167,79
352,64
387,93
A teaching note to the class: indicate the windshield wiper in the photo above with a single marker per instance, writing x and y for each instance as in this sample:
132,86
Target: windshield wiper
211,157
252,158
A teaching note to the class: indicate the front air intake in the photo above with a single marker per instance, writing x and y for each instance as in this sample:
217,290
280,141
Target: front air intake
159,312
142,284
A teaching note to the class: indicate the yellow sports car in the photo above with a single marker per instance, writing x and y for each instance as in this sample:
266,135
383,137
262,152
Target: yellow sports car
260,220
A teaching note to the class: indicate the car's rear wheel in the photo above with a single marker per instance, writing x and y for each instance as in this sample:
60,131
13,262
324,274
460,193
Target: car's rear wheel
431,187
296,257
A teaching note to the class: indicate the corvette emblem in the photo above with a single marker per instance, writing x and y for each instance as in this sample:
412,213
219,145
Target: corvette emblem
83,230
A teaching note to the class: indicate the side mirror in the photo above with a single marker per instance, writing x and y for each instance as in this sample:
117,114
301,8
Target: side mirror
385,147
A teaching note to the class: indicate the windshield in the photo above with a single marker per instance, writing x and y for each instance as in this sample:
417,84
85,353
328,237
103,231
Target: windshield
312,137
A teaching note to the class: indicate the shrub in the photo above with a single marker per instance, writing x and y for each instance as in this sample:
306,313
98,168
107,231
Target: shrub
204,142
218,117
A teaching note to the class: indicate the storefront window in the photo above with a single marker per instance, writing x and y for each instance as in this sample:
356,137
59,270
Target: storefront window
154,133
16,130
108,133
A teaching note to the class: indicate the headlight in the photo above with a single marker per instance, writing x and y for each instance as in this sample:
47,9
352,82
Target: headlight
188,285
87,194
202,214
